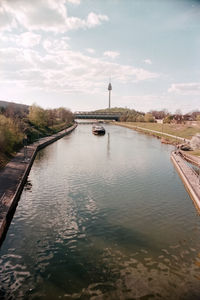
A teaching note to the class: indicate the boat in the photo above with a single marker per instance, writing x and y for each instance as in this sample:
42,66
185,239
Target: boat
98,129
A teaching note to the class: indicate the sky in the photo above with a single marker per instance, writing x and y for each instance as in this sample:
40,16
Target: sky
64,52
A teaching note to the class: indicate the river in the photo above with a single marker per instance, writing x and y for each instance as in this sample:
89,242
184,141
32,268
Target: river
103,217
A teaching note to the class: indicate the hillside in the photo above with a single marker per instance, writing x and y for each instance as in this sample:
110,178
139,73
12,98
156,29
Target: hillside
127,114
16,106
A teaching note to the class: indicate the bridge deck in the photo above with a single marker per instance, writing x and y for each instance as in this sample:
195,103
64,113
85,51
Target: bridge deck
97,115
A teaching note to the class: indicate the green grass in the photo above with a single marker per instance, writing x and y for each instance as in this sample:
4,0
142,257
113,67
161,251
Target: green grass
182,130
195,152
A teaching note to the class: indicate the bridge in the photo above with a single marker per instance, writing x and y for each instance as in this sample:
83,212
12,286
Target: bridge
97,115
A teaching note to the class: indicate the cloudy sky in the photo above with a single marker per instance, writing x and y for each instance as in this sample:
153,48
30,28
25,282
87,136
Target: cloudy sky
63,52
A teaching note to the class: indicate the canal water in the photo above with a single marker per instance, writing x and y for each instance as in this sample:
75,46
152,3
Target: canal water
103,217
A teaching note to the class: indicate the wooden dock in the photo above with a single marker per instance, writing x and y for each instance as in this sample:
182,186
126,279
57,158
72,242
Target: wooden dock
189,177
13,177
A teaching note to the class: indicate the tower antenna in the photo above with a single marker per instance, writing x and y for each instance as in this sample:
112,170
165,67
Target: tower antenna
109,90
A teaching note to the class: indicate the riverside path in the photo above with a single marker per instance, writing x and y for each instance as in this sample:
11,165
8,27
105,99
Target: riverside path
154,131
189,177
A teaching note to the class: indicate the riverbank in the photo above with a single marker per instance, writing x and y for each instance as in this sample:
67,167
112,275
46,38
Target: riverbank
14,175
166,138
33,134
190,179
185,131
156,130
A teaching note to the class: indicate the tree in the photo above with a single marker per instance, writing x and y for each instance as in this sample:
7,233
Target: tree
148,117
10,135
37,116
161,114
168,119
140,118
51,117
64,115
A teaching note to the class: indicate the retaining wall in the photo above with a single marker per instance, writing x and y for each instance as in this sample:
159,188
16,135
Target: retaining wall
189,177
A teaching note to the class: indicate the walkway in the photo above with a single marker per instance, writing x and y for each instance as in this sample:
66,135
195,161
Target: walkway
167,134
195,160
154,131
190,178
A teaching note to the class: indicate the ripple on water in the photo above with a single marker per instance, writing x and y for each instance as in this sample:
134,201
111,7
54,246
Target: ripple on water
150,277
106,222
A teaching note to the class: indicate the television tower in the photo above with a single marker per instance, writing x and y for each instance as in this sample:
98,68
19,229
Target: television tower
109,89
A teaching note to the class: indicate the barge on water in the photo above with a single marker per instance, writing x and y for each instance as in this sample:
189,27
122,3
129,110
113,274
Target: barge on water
98,129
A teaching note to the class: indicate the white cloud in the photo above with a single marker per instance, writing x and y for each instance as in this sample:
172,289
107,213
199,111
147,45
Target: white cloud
54,45
39,14
90,50
111,54
148,61
74,1
191,88
6,20
46,15
28,39
61,69
94,19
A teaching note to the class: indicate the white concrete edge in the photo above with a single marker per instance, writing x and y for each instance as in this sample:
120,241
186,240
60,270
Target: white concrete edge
187,184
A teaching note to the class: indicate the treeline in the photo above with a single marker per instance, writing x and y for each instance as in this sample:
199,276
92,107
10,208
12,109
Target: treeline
49,119
154,115
134,116
19,126
177,117
131,115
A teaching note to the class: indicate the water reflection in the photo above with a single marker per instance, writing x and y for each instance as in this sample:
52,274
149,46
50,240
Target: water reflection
96,224
108,144
144,276
28,185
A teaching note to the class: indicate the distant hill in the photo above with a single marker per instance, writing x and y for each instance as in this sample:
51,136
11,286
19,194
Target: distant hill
16,106
127,114
119,110
114,110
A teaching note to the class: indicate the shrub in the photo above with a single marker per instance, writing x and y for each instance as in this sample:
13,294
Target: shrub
10,135
195,141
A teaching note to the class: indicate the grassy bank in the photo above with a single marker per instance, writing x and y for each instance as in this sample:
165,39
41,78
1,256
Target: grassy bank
33,134
195,152
186,131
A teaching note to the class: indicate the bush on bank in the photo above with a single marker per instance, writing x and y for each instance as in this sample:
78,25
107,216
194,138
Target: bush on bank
10,135
20,126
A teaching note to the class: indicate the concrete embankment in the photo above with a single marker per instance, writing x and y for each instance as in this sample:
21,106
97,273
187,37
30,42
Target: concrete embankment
14,176
195,160
190,179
